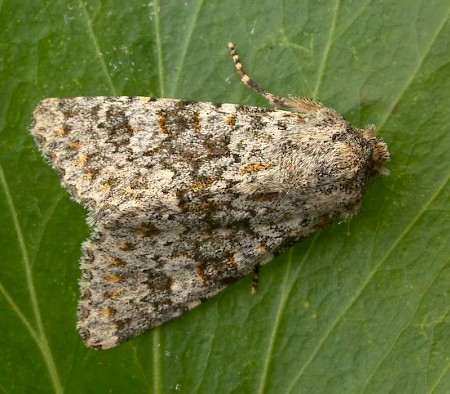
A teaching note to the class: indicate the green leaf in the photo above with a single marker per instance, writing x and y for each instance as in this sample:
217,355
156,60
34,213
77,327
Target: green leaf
362,306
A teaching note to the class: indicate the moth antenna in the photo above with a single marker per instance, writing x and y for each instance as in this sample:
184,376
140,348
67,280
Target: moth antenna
246,80
300,104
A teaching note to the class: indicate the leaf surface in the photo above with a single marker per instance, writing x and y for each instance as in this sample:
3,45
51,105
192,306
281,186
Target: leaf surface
362,306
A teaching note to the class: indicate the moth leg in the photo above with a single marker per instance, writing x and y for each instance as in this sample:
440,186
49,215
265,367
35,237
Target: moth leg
300,104
255,279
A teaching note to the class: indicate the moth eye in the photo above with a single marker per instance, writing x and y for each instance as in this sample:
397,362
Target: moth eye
336,137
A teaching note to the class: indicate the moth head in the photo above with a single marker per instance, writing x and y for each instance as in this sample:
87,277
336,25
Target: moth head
380,153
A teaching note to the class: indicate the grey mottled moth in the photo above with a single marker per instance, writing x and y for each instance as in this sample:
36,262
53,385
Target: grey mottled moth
186,197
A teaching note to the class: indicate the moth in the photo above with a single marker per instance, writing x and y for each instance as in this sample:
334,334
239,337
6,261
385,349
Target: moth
186,197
